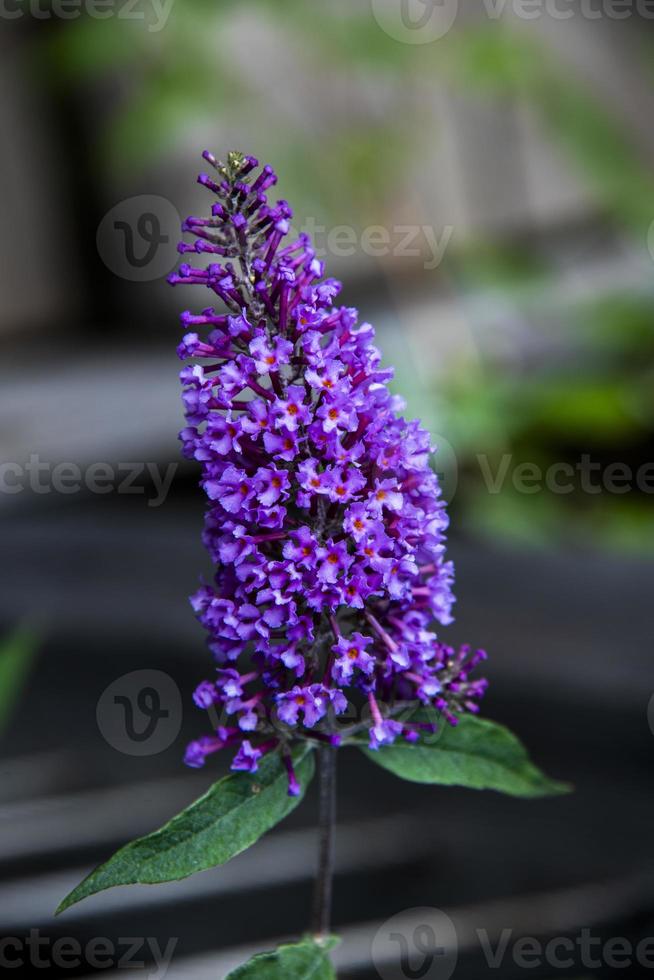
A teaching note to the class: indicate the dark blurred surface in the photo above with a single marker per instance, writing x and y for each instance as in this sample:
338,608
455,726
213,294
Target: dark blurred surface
517,155
567,673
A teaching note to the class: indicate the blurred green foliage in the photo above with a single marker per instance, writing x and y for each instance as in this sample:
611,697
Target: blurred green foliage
185,73
503,64
166,84
352,160
597,402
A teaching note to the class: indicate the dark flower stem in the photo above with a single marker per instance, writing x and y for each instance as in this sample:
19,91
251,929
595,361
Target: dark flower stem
322,899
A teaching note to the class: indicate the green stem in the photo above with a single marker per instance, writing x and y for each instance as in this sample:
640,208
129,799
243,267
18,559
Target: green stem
322,900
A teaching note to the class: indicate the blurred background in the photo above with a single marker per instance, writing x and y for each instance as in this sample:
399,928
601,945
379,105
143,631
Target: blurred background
481,176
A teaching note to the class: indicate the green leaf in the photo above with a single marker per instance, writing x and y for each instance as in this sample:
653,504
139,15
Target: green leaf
477,753
307,960
228,819
16,656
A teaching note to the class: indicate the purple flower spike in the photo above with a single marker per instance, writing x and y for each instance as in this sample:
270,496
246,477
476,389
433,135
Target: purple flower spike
325,521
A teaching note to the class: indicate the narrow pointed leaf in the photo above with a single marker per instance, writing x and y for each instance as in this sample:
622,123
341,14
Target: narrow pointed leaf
477,753
306,960
17,653
228,819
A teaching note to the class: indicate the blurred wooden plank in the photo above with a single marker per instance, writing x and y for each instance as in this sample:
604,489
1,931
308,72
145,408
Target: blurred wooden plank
277,859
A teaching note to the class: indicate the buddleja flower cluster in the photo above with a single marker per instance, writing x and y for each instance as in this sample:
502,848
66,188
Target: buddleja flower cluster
325,519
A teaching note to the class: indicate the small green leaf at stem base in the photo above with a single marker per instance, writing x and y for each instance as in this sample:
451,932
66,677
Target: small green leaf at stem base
306,960
228,819
476,753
